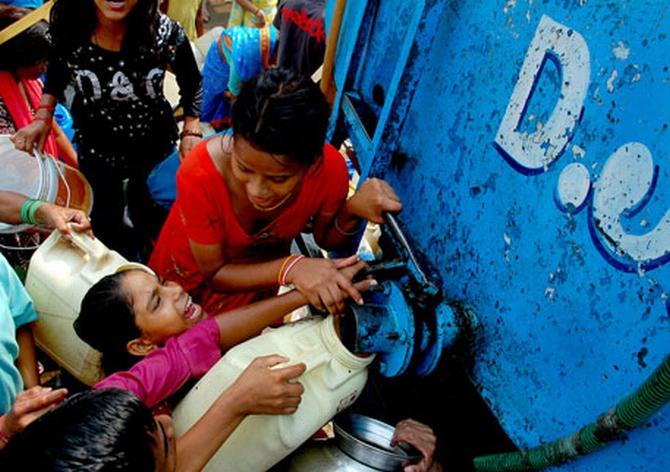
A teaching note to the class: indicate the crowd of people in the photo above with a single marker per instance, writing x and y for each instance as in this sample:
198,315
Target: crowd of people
215,260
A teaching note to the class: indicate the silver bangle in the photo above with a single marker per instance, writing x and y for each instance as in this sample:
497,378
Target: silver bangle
346,233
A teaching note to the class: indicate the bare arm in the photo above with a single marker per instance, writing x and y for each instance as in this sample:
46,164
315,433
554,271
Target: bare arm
233,277
317,279
10,207
247,5
326,234
35,134
258,390
189,141
48,215
64,145
250,7
27,360
243,323
202,17
369,203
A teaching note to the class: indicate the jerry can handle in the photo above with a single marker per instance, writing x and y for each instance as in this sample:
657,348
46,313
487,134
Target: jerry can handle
90,245
309,358
287,422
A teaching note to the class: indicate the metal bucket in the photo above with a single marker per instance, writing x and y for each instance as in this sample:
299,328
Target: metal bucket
42,178
361,444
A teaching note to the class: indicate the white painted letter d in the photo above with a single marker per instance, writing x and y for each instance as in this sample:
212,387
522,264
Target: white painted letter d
534,152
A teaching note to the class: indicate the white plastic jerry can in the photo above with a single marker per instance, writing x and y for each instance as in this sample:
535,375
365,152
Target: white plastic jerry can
333,381
59,275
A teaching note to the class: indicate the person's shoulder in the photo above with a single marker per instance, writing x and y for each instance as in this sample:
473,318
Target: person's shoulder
196,160
198,166
331,173
333,160
167,23
170,32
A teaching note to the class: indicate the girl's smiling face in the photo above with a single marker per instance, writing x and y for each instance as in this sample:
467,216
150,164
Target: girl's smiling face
268,180
162,309
114,10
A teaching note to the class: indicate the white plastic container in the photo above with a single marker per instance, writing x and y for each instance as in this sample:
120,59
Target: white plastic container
59,275
333,381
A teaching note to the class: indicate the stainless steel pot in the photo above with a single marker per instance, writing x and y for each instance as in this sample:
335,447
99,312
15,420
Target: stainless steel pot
361,444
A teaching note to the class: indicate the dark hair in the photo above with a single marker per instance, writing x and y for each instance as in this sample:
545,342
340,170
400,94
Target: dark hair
97,430
73,22
282,112
106,322
27,48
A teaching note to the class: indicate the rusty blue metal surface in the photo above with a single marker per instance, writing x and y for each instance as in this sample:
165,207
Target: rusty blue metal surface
529,142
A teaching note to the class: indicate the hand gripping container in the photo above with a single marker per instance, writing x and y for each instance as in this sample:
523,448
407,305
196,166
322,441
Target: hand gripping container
333,381
59,275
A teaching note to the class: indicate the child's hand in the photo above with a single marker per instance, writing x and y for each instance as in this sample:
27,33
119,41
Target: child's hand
30,405
421,437
372,199
267,391
323,284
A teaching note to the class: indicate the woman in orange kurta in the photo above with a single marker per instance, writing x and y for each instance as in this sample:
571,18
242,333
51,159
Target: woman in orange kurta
241,199
203,212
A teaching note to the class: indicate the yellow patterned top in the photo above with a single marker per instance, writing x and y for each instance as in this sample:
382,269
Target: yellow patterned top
241,17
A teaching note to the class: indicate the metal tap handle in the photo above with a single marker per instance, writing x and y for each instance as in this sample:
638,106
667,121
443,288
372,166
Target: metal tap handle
392,224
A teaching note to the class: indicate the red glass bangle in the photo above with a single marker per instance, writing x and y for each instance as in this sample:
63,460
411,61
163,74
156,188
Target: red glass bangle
51,108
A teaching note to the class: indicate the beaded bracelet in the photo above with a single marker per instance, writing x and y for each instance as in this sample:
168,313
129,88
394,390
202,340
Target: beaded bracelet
289,266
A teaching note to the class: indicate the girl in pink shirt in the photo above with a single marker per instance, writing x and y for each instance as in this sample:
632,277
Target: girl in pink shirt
133,315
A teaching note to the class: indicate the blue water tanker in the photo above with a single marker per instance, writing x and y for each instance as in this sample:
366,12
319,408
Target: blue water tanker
529,143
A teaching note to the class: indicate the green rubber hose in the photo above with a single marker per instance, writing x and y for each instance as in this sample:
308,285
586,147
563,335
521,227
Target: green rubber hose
628,414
